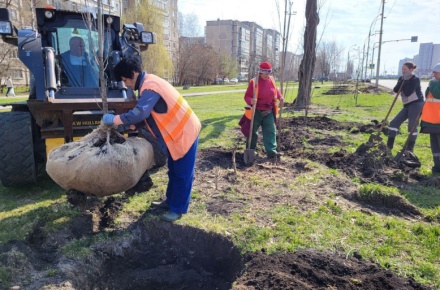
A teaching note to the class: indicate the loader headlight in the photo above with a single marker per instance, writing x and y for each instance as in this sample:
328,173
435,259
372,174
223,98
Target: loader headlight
130,32
49,14
148,37
134,33
5,28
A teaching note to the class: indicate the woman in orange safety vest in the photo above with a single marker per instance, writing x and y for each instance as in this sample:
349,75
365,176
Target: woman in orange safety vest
431,117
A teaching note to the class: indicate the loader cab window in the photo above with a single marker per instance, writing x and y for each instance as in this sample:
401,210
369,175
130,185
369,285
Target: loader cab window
76,49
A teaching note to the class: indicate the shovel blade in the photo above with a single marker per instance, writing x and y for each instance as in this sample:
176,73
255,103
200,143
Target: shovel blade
408,158
399,156
249,156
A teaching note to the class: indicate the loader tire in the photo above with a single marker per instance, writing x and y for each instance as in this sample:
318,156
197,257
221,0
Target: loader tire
17,159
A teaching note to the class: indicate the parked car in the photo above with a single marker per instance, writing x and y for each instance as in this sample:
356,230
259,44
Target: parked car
241,78
234,80
218,81
226,80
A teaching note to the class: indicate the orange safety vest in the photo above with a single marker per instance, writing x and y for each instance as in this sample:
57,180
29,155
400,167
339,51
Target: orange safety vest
179,126
431,110
276,102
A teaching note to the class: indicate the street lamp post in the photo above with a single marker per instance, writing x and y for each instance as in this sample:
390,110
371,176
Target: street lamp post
368,46
377,44
348,72
362,63
380,45
372,57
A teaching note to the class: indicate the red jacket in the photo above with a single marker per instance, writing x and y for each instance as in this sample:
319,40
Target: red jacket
266,93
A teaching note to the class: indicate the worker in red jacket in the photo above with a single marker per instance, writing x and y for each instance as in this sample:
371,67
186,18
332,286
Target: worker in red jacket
267,97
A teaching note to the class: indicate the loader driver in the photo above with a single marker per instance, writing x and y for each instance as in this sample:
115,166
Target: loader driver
79,70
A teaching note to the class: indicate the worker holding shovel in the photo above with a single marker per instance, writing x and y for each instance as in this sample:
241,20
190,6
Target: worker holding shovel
263,95
431,117
412,99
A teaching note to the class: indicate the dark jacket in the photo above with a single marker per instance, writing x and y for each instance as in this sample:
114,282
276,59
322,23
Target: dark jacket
409,87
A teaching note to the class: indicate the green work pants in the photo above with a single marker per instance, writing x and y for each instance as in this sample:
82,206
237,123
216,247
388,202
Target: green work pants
268,127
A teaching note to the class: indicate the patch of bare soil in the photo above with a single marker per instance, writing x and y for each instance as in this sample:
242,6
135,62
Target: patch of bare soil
310,269
151,254
159,255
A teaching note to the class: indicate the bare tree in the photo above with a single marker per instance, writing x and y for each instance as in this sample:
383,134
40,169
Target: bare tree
328,56
197,63
228,66
188,25
285,37
206,66
307,65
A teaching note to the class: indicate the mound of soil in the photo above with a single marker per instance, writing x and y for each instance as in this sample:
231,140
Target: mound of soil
310,269
314,137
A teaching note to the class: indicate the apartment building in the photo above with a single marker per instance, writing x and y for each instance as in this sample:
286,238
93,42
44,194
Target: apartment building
9,62
428,57
246,42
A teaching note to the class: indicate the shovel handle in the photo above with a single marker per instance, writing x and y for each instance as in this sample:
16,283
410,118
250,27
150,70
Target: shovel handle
254,106
391,107
279,125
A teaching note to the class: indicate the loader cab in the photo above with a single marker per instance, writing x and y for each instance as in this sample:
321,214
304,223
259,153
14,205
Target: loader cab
72,38
75,52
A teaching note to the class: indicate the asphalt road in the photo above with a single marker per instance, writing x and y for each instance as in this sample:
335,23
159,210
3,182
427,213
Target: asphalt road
385,83
391,83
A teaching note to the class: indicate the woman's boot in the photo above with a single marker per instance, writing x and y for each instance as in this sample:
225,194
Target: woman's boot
411,145
390,142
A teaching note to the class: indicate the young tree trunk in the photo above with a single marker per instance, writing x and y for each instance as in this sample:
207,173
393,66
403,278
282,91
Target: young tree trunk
102,83
307,65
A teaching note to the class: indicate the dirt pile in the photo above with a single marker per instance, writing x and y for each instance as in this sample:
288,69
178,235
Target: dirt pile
310,269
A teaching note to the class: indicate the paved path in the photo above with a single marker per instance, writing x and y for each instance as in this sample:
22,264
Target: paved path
386,83
212,93
391,83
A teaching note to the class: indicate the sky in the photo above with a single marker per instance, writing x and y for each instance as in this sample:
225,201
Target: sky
344,22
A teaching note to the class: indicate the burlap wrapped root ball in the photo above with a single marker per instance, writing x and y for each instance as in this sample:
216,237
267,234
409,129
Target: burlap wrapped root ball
102,163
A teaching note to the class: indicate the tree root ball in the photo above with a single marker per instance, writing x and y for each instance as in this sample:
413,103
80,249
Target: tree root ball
102,163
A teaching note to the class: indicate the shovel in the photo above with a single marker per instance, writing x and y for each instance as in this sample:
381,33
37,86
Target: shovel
279,127
377,137
249,154
401,152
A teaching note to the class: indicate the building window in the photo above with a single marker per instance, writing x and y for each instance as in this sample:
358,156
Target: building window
17,74
13,14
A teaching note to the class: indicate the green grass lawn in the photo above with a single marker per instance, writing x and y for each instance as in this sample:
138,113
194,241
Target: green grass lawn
408,247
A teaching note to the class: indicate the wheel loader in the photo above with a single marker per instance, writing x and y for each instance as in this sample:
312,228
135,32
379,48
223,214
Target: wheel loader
63,104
